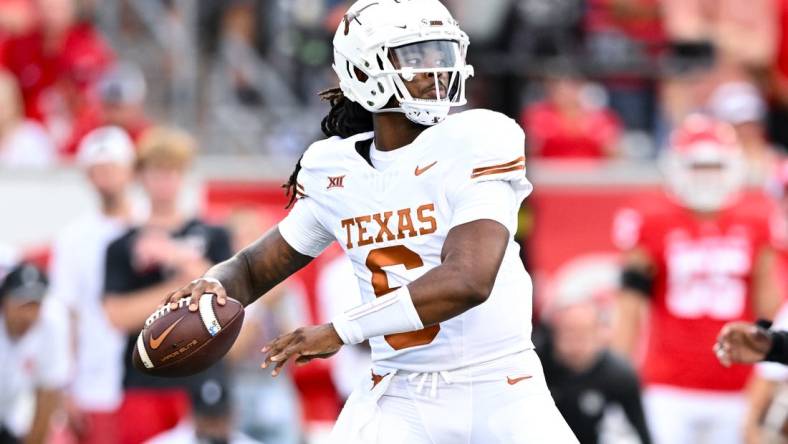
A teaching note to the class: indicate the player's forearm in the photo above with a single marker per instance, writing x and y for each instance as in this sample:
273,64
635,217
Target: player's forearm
765,289
627,321
46,403
258,268
447,291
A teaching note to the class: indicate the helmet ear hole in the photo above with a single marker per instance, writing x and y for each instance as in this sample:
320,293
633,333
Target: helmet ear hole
360,75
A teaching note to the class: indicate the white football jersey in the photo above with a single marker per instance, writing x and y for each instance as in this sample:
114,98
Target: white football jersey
393,223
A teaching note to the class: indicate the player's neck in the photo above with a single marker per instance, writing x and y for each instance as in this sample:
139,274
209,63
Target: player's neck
165,215
116,206
706,215
394,130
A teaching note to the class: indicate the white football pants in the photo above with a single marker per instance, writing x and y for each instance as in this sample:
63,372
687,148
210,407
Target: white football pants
505,401
683,416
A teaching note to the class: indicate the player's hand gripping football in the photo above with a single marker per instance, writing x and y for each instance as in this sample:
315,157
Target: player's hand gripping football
742,343
195,289
303,344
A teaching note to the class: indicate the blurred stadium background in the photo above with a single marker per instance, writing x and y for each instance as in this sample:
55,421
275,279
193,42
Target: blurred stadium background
597,84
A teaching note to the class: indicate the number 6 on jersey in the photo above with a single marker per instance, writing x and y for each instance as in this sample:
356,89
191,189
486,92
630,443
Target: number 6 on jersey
386,257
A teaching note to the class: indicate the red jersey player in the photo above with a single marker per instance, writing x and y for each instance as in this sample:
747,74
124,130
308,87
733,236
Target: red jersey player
696,257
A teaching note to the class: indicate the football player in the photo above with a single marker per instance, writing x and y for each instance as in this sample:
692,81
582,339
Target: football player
425,205
696,257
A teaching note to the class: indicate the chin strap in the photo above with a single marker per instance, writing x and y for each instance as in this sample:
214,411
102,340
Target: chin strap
389,110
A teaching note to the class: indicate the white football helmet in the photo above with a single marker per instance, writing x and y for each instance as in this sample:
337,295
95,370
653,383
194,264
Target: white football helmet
704,165
382,44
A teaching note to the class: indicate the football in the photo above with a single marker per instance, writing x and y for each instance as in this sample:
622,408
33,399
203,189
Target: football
179,342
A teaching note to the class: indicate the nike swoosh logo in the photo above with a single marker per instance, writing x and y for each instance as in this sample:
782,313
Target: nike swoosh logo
513,381
420,171
156,342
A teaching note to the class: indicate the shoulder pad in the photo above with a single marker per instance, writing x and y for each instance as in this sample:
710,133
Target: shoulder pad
325,158
496,145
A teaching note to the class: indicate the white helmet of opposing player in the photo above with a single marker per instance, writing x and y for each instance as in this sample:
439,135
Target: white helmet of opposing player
704,165
382,44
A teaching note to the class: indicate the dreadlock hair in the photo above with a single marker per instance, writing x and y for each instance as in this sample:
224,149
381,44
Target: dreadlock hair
345,119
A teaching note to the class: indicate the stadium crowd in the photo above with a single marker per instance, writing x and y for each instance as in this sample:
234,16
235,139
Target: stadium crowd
591,81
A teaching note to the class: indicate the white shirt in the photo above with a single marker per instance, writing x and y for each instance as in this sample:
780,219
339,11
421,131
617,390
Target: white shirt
392,224
29,145
77,281
41,358
185,433
337,291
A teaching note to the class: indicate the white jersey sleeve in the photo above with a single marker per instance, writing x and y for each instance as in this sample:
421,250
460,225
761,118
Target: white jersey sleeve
303,231
490,183
494,200
302,228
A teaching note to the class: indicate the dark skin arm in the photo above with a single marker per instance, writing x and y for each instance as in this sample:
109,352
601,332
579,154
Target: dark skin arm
464,280
249,274
47,401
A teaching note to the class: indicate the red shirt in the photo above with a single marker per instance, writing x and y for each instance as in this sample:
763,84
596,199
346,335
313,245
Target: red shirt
781,62
602,17
550,134
703,279
80,60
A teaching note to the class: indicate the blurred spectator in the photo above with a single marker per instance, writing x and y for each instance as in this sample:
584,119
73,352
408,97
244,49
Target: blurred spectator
56,63
77,272
252,80
9,257
741,105
695,258
778,113
687,78
121,95
623,39
250,97
267,408
211,421
569,124
744,33
16,17
337,291
546,29
587,381
23,142
35,356
482,21
167,251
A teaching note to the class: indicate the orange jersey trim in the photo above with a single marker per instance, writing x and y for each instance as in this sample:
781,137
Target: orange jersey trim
495,167
498,171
